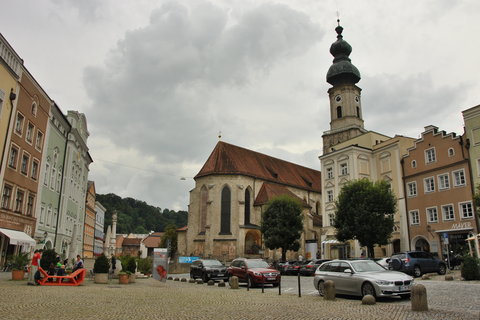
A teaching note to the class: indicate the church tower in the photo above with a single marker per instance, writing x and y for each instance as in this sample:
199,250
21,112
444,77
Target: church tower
345,104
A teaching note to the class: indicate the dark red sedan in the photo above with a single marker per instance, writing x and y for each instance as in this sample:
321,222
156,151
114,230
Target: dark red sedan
254,272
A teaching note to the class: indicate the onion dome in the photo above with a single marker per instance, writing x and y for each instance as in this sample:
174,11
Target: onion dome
342,70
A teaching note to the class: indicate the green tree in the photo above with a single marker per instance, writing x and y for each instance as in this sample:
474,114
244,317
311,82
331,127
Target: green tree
170,234
364,212
282,224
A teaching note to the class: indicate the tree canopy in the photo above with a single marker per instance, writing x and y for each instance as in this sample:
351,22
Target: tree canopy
135,216
170,234
282,224
364,211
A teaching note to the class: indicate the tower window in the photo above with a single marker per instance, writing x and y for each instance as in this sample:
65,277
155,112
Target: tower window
358,112
339,112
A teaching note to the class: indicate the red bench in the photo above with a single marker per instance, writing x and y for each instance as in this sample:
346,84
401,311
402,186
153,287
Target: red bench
74,279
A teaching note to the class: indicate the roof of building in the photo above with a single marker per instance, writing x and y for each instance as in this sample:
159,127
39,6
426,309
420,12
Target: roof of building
268,191
131,242
153,240
185,228
230,159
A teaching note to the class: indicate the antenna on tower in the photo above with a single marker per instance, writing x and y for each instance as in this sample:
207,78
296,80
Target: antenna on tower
338,17
219,135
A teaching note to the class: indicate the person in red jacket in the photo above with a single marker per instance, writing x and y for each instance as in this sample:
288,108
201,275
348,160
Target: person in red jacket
34,267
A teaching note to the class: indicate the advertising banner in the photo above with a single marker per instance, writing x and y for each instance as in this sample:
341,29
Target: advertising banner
160,264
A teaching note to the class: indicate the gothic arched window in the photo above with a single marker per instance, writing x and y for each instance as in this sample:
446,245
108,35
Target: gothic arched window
247,206
225,213
203,208
339,112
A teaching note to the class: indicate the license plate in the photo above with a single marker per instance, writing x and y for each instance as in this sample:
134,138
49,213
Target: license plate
271,279
404,288
220,274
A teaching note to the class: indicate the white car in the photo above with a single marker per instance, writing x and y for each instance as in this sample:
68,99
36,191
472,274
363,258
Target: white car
362,277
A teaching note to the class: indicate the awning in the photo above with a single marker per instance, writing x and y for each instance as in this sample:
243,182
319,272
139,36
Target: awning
330,241
454,230
18,238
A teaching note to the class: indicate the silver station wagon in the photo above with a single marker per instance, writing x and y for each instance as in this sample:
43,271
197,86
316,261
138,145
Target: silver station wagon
362,277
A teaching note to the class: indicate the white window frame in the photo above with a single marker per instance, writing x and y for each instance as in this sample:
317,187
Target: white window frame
331,218
451,215
414,217
329,172
429,211
443,184
430,155
414,163
343,168
462,211
18,129
330,196
429,188
451,152
412,189
455,180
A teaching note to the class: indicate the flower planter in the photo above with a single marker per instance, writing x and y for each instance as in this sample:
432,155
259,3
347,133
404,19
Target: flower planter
132,277
123,278
101,278
18,274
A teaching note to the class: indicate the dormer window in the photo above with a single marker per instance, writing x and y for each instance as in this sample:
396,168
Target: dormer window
339,112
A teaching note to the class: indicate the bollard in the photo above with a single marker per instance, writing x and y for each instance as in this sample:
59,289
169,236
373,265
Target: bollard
183,280
280,286
233,282
199,281
329,286
263,283
419,298
448,277
221,284
211,282
299,286
191,280
368,299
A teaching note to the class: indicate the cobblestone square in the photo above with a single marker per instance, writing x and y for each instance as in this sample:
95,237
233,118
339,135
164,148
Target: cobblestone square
150,299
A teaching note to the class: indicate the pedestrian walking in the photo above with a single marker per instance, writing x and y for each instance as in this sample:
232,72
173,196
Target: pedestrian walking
34,267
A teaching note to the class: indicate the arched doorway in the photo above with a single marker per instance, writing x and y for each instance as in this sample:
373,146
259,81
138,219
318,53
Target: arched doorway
396,245
422,245
252,242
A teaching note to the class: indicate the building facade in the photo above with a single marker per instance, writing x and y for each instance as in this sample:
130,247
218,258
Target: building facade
51,181
230,193
438,188
21,168
77,161
89,225
99,225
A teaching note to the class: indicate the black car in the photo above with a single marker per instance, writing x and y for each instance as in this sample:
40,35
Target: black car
309,268
207,269
416,263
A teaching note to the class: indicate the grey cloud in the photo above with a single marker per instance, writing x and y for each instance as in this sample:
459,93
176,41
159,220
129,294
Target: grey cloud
397,105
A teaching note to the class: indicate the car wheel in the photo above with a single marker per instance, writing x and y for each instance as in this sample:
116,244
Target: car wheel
192,276
368,288
321,288
204,277
417,272
442,269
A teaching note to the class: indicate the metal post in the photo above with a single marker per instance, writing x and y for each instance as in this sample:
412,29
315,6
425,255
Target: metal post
248,283
299,286
263,283
280,286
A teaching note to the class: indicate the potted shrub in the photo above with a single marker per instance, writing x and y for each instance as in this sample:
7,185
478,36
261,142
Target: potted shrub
18,263
100,269
145,265
131,267
123,277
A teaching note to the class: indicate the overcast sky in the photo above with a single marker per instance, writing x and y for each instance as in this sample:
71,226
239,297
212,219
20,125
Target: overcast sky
158,80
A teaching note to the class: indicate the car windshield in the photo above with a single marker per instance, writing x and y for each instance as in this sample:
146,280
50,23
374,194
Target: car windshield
257,264
212,263
366,266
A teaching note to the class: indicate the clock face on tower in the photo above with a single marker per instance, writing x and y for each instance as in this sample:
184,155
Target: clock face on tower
357,99
338,98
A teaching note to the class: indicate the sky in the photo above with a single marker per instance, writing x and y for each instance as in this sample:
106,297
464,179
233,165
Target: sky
160,80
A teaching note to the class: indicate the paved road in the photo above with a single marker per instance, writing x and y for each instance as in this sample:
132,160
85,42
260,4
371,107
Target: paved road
150,299
455,295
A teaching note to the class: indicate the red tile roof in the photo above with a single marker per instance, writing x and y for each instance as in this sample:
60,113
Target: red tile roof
153,240
131,242
268,191
185,228
229,159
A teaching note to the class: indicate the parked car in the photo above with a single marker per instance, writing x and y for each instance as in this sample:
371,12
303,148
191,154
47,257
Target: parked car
383,262
310,268
284,266
294,268
417,263
362,277
254,272
207,269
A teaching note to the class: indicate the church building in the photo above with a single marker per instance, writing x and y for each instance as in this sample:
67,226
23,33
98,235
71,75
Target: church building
230,194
